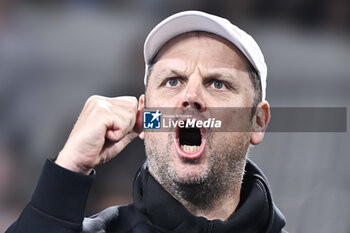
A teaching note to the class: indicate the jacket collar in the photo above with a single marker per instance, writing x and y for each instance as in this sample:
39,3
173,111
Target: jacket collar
255,213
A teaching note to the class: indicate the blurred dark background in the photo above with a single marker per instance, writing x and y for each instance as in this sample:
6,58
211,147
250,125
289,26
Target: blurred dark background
55,54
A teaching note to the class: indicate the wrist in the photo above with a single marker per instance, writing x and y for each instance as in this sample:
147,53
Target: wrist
67,163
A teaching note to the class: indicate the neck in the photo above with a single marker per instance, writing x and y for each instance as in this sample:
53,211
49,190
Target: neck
221,206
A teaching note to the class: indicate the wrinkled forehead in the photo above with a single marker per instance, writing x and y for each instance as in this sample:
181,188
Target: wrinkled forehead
181,42
175,57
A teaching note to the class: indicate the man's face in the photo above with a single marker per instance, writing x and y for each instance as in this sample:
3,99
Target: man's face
198,71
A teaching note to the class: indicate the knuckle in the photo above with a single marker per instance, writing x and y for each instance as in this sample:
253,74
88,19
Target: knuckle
131,100
93,98
97,111
99,103
134,103
134,99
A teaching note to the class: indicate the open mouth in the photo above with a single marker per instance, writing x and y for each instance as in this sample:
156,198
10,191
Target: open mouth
190,139
190,142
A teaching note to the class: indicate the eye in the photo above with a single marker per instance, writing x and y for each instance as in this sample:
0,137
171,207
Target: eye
217,84
172,82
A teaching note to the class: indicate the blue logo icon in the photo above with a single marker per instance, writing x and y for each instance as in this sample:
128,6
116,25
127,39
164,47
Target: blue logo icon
151,119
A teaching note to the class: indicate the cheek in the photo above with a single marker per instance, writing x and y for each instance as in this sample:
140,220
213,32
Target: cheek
157,140
153,99
231,142
249,96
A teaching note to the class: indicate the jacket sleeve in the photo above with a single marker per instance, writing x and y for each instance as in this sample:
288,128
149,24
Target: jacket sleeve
58,202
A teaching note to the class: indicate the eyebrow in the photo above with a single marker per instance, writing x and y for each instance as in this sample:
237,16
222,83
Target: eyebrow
228,74
223,73
168,72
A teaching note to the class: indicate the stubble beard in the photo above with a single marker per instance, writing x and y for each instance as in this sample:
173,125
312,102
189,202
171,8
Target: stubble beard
222,175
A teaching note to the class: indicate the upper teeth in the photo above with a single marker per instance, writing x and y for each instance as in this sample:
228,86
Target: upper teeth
190,149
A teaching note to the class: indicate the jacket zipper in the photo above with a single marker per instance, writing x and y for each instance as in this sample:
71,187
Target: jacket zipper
210,227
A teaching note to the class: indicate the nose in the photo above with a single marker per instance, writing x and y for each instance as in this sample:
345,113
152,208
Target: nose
193,97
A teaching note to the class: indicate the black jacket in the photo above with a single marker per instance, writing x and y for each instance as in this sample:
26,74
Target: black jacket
59,200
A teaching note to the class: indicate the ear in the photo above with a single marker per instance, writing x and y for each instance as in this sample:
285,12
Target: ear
140,114
260,121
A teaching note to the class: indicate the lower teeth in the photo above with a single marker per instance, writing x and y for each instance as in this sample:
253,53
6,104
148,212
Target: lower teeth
189,149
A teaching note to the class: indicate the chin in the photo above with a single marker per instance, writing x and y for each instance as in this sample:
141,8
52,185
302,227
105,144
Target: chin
188,173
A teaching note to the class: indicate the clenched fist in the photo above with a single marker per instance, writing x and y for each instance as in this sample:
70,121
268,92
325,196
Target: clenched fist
105,126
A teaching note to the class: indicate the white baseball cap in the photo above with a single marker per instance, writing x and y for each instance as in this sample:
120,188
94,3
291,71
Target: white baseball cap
188,21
